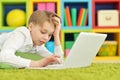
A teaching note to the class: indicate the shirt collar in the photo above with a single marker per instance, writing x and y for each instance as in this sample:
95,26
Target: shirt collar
28,38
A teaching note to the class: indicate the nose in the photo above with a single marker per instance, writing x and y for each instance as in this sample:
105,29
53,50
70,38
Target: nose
46,37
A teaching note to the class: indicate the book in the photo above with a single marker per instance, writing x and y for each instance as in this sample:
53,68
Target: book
41,6
84,18
74,16
50,6
80,16
65,19
68,16
67,51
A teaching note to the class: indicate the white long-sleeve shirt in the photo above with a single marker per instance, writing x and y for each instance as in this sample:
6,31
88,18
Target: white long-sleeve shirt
20,40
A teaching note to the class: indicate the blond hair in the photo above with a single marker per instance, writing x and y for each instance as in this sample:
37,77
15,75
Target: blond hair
40,16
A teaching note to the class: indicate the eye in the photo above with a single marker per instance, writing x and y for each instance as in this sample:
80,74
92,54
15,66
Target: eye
50,35
43,32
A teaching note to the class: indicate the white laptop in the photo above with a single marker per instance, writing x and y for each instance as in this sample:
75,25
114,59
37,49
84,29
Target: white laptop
83,51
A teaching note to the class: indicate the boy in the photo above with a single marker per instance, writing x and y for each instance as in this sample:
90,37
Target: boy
41,26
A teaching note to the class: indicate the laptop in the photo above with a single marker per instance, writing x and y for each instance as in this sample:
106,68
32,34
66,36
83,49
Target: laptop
82,52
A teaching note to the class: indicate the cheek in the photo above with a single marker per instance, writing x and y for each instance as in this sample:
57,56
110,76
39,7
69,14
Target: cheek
36,35
49,39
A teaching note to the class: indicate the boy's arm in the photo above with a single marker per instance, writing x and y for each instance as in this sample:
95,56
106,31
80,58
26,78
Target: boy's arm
56,34
48,57
42,50
45,61
58,49
11,45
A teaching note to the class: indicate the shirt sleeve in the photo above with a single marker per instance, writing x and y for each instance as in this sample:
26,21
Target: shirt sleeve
42,50
10,46
59,51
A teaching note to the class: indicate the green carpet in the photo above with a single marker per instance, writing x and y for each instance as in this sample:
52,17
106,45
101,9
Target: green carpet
97,71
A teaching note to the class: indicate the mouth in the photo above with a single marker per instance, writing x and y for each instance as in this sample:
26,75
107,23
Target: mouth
41,42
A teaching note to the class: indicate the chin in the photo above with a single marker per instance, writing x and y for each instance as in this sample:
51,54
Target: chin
40,44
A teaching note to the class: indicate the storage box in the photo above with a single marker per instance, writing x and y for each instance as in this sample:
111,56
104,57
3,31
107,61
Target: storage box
109,48
108,18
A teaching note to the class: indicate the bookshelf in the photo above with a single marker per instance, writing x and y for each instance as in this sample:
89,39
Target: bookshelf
93,6
103,5
69,33
8,5
28,6
77,4
33,5
112,31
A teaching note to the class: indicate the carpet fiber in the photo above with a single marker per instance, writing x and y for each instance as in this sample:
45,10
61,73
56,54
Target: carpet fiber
97,71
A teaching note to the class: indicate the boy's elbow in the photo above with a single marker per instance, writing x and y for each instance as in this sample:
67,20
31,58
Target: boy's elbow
3,58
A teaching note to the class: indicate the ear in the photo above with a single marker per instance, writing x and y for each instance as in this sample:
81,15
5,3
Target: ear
30,26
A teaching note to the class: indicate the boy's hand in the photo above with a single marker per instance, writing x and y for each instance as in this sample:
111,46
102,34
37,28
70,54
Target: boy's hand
45,61
57,22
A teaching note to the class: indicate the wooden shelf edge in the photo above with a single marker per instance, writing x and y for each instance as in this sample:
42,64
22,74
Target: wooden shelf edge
106,30
108,58
106,1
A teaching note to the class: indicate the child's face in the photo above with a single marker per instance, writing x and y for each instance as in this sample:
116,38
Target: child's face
41,34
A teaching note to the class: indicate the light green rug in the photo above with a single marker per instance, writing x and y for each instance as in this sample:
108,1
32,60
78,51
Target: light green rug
97,71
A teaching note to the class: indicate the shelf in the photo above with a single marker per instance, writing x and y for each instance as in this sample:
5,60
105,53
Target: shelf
77,5
76,28
6,7
68,38
33,5
105,1
107,58
104,5
106,27
110,30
